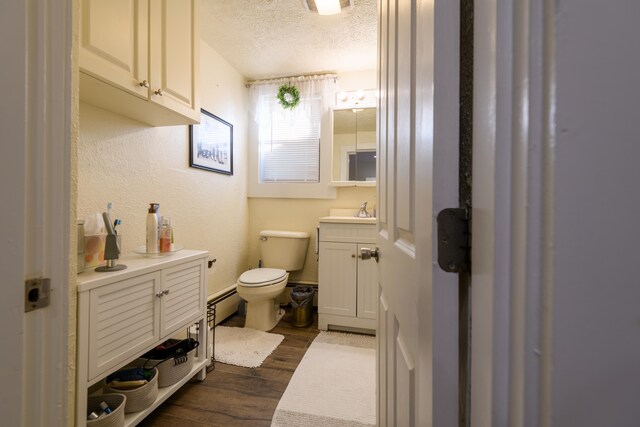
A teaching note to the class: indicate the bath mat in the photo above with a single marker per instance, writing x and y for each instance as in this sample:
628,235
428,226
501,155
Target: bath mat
333,386
244,346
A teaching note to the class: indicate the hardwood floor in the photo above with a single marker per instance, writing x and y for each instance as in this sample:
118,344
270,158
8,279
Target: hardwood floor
232,396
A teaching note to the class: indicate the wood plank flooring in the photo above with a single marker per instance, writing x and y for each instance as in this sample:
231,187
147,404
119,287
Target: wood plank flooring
233,396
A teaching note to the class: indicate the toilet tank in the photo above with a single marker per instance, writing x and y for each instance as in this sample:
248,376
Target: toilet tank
283,249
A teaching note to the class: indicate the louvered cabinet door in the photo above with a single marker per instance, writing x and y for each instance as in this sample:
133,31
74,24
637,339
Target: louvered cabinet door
183,296
123,321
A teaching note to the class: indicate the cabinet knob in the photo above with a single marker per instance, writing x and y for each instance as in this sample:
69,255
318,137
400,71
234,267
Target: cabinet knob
353,255
144,83
166,292
160,294
159,92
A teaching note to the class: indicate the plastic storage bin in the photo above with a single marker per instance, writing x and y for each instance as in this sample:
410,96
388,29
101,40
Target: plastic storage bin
302,306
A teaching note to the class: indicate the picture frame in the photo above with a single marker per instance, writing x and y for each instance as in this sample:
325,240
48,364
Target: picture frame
211,144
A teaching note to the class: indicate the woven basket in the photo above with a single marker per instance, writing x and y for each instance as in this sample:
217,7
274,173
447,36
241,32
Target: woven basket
115,401
140,398
170,371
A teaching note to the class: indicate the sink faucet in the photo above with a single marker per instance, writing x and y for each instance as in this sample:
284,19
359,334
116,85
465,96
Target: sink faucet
362,213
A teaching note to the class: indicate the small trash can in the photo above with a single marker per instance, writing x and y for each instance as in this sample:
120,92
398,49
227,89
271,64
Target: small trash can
302,306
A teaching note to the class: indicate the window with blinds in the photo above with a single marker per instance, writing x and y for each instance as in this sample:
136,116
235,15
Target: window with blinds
290,143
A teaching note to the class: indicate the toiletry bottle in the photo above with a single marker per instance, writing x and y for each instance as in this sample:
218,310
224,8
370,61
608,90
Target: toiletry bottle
152,229
105,408
165,235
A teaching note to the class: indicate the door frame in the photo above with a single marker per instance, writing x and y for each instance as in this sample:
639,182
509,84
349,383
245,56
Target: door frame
513,148
36,169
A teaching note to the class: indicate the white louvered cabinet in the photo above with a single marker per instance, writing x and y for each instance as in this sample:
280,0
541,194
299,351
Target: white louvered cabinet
123,314
347,285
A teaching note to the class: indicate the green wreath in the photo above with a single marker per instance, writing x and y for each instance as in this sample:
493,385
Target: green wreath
288,96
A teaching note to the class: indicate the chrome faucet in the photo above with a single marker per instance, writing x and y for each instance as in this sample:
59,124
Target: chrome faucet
362,213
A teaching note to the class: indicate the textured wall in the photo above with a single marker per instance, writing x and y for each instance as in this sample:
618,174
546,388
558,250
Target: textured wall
131,164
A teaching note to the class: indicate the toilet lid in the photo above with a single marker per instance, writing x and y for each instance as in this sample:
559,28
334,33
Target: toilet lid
261,277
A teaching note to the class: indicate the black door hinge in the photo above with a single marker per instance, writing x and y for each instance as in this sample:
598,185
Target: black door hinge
454,243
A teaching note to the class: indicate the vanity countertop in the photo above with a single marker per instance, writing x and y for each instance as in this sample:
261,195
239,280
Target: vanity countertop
348,220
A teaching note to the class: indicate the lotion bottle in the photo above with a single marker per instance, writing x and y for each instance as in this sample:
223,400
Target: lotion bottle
165,235
152,229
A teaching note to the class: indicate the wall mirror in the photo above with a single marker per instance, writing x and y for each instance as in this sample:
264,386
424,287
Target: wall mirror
354,146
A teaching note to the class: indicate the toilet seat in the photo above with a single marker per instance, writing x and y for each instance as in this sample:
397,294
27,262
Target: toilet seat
261,277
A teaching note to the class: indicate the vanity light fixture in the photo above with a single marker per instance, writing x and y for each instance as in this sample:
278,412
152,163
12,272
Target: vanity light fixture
357,98
327,7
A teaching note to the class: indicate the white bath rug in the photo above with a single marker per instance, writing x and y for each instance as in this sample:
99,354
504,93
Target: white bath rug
333,386
244,346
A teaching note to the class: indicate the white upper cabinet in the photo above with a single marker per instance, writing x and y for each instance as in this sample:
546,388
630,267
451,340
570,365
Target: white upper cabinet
114,43
139,58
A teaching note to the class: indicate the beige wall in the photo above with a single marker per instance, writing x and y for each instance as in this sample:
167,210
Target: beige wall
131,164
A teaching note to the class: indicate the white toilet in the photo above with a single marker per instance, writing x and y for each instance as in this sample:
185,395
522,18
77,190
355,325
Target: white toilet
281,252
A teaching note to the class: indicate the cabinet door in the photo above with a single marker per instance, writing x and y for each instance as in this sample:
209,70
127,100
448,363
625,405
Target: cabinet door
367,287
123,321
114,43
337,279
184,296
174,39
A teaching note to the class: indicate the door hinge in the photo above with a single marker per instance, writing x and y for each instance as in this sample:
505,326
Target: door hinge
37,293
454,243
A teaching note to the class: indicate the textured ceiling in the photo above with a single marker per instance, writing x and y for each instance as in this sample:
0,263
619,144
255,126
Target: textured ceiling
274,38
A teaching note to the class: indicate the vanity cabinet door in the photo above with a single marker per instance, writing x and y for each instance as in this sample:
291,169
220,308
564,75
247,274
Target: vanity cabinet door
183,296
336,277
123,321
367,286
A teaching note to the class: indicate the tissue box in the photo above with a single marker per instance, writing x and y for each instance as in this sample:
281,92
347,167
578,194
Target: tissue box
94,250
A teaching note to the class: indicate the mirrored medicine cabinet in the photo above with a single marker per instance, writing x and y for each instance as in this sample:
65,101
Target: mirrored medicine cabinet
354,146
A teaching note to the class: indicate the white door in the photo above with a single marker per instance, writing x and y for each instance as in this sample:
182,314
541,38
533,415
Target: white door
417,177
35,118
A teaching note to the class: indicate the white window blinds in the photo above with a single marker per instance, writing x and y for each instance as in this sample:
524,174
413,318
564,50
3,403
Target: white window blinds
289,142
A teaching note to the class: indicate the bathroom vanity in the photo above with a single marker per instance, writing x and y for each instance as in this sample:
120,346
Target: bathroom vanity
347,284
124,314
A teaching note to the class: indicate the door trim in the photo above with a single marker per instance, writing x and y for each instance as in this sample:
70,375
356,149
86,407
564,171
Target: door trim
36,170
513,148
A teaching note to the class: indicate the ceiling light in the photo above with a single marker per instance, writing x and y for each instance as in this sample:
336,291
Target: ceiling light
327,7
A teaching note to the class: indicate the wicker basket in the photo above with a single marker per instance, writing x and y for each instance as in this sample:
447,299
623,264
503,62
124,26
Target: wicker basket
170,371
140,398
115,401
